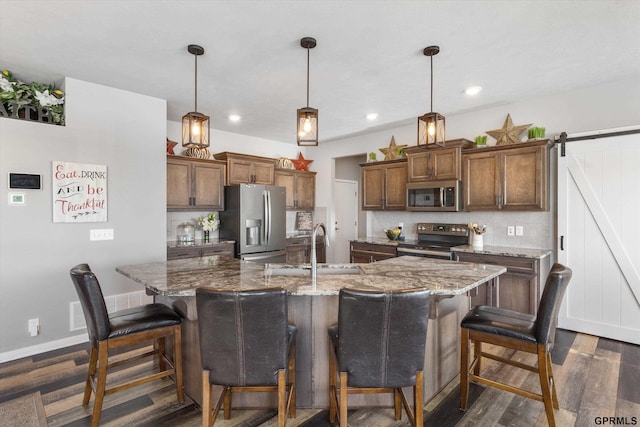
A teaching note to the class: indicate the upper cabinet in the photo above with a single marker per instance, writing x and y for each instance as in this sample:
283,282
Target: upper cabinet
195,184
384,185
246,169
507,177
435,163
300,188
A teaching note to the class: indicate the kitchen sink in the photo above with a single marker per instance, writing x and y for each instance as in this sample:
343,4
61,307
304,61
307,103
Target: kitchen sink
305,269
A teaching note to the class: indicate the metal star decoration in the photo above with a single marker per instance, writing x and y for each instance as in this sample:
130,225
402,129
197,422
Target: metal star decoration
509,134
301,163
392,151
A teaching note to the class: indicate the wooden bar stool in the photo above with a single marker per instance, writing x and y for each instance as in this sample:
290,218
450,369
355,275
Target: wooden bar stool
124,328
378,346
246,345
517,331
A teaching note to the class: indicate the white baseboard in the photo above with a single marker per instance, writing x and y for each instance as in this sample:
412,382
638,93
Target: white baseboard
43,348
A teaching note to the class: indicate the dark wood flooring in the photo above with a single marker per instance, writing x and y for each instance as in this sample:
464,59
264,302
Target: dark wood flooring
596,378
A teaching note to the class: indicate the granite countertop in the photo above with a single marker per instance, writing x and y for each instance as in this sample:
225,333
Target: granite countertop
182,277
504,251
383,241
198,243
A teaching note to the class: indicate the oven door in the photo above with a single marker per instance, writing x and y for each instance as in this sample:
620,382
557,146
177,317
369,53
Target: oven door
424,253
443,196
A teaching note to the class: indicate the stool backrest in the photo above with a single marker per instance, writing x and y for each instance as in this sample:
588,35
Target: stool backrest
243,335
382,336
554,290
95,310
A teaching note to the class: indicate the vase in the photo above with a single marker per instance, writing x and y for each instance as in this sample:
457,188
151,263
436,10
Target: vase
476,241
205,236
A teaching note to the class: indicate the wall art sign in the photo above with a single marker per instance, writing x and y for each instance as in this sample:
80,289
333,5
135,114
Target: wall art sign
79,192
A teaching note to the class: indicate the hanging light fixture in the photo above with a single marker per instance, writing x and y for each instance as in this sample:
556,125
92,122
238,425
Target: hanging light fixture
307,116
195,126
431,126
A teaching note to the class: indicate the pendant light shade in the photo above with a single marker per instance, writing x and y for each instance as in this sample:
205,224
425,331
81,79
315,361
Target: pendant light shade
195,126
307,117
431,126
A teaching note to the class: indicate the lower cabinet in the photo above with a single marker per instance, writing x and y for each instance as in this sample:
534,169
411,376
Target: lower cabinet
369,252
180,252
518,289
299,250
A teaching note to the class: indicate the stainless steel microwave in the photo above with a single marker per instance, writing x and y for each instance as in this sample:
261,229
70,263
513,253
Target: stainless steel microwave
434,196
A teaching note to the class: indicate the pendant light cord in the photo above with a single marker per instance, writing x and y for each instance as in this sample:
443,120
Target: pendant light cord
432,83
307,77
196,85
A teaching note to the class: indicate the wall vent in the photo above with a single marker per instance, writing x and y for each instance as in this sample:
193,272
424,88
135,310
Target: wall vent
113,302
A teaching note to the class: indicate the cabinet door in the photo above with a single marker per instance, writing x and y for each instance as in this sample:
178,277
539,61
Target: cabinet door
517,291
263,173
297,254
178,183
445,163
221,249
288,181
240,171
480,179
524,179
395,187
418,167
208,185
305,190
373,188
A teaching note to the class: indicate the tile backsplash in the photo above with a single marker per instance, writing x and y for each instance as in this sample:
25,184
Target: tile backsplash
174,219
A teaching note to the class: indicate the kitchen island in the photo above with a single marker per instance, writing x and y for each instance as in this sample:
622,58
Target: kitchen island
313,306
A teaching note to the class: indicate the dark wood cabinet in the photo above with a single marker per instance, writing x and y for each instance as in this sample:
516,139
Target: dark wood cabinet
246,169
300,188
384,185
369,252
509,177
180,252
195,184
518,289
299,250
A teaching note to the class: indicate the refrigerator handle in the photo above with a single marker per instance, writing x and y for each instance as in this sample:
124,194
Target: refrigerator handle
267,216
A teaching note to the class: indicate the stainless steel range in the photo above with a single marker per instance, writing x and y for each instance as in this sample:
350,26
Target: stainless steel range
435,240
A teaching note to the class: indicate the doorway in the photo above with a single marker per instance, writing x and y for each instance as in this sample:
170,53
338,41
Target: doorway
345,202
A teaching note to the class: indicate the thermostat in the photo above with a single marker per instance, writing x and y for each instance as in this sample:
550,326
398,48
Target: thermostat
16,198
25,181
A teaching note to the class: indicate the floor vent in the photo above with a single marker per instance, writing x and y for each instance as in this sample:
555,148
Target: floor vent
113,303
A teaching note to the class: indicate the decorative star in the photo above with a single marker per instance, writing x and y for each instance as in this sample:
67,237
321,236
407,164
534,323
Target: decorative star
509,134
391,152
301,163
170,145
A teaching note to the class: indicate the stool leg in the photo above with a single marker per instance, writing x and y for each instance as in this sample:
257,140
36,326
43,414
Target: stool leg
343,400
160,352
544,384
103,359
332,386
554,396
397,403
206,400
177,361
227,403
477,358
464,368
418,399
93,363
282,398
292,382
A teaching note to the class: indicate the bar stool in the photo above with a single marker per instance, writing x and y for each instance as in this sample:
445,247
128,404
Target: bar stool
124,328
378,346
246,345
517,331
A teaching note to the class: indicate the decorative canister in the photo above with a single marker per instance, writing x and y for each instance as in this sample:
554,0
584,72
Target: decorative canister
186,234
476,240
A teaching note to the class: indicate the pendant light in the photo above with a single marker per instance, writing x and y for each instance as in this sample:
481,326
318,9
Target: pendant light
195,126
307,117
431,126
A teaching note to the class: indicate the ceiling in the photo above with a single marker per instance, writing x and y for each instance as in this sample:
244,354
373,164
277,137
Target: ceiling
368,58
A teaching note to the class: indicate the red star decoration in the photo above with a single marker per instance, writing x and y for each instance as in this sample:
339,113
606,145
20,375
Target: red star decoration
170,145
301,164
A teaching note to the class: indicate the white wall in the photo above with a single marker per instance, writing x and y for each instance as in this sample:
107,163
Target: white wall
122,130
610,105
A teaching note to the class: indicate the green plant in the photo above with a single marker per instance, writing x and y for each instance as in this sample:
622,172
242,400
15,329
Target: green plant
481,140
16,94
536,132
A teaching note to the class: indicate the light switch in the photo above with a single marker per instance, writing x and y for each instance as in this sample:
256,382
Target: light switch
510,230
101,234
519,230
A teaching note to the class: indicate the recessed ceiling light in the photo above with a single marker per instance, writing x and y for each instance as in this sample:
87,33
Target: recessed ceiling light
234,117
372,116
473,90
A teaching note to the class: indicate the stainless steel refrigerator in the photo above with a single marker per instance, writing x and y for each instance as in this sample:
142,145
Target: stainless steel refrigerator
255,217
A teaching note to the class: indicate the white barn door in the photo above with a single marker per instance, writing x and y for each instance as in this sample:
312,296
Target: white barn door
599,235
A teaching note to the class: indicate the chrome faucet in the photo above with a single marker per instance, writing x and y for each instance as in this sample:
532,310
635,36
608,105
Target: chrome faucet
314,260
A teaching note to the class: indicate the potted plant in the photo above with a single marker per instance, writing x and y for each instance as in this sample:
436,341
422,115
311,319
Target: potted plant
481,141
536,133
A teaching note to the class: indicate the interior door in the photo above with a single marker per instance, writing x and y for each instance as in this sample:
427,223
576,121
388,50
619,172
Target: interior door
346,218
598,232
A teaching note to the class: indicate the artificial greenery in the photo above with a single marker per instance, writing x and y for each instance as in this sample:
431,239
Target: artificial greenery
16,94
536,132
481,140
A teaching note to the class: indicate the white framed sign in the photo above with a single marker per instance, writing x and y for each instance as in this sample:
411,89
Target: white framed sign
79,192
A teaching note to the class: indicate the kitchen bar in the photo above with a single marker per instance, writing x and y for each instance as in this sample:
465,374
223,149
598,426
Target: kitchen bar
313,306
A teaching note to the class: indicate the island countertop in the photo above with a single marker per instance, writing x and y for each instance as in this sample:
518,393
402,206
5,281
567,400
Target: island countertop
181,277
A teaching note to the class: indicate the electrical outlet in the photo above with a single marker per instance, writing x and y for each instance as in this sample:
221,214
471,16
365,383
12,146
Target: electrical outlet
510,230
101,234
519,230
34,327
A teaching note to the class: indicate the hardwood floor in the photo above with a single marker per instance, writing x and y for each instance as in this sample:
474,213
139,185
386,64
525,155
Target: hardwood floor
596,377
